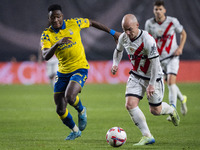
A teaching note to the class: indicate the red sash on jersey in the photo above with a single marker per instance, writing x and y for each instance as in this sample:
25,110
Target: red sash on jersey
137,59
164,40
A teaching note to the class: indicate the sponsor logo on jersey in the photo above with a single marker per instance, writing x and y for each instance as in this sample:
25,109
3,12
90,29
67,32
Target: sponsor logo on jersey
64,46
153,50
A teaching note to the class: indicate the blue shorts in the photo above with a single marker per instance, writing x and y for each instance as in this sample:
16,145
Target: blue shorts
62,80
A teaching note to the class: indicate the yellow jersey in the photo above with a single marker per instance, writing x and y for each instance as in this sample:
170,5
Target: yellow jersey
71,56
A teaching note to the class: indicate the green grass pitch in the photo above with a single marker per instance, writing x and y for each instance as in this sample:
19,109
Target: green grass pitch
28,120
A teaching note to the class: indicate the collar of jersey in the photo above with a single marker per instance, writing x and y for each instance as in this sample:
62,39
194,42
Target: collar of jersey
57,30
160,22
140,33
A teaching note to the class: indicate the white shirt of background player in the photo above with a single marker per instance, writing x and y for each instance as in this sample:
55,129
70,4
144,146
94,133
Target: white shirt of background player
164,34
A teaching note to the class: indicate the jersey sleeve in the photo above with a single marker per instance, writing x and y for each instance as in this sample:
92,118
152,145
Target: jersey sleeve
120,46
178,26
82,22
150,46
45,41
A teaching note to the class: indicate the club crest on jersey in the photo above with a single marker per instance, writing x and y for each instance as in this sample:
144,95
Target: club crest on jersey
153,50
131,49
85,20
160,32
70,32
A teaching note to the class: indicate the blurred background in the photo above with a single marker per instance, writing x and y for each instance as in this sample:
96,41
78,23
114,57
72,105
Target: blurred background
22,22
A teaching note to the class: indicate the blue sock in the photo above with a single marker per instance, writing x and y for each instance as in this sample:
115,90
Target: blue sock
68,120
77,104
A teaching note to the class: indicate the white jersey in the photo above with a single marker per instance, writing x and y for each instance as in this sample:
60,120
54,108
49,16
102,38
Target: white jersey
140,51
53,60
52,66
164,34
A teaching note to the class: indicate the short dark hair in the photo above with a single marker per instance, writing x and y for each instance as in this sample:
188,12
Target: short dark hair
54,7
159,3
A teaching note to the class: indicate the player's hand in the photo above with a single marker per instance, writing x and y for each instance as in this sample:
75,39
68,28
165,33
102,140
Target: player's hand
65,40
114,69
150,90
116,36
178,51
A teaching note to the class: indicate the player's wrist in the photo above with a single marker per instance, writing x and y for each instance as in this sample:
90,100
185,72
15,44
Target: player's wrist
152,83
112,32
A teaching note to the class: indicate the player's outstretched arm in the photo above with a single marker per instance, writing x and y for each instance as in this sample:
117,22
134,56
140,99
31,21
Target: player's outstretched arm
102,27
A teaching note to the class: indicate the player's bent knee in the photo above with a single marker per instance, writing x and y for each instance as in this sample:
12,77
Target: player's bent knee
130,104
60,112
71,98
127,106
155,110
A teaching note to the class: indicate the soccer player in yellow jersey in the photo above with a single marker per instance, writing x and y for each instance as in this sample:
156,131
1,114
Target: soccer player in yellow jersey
63,39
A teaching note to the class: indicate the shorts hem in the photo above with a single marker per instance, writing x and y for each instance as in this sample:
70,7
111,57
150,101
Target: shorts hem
172,73
76,82
134,95
58,92
158,104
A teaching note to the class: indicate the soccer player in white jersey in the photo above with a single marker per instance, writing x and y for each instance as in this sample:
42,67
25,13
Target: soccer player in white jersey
146,76
163,29
52,68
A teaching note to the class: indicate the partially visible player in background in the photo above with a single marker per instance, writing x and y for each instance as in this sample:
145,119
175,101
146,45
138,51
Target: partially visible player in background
163,28
51,67
63,39
146,76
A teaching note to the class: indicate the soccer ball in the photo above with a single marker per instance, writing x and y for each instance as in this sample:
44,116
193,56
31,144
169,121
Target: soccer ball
116,136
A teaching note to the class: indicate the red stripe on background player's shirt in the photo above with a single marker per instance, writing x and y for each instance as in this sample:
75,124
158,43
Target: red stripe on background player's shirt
170,44
164,40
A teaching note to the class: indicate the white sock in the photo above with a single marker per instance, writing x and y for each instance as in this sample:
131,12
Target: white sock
75,129
172,94
139,119
179,94
166,109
